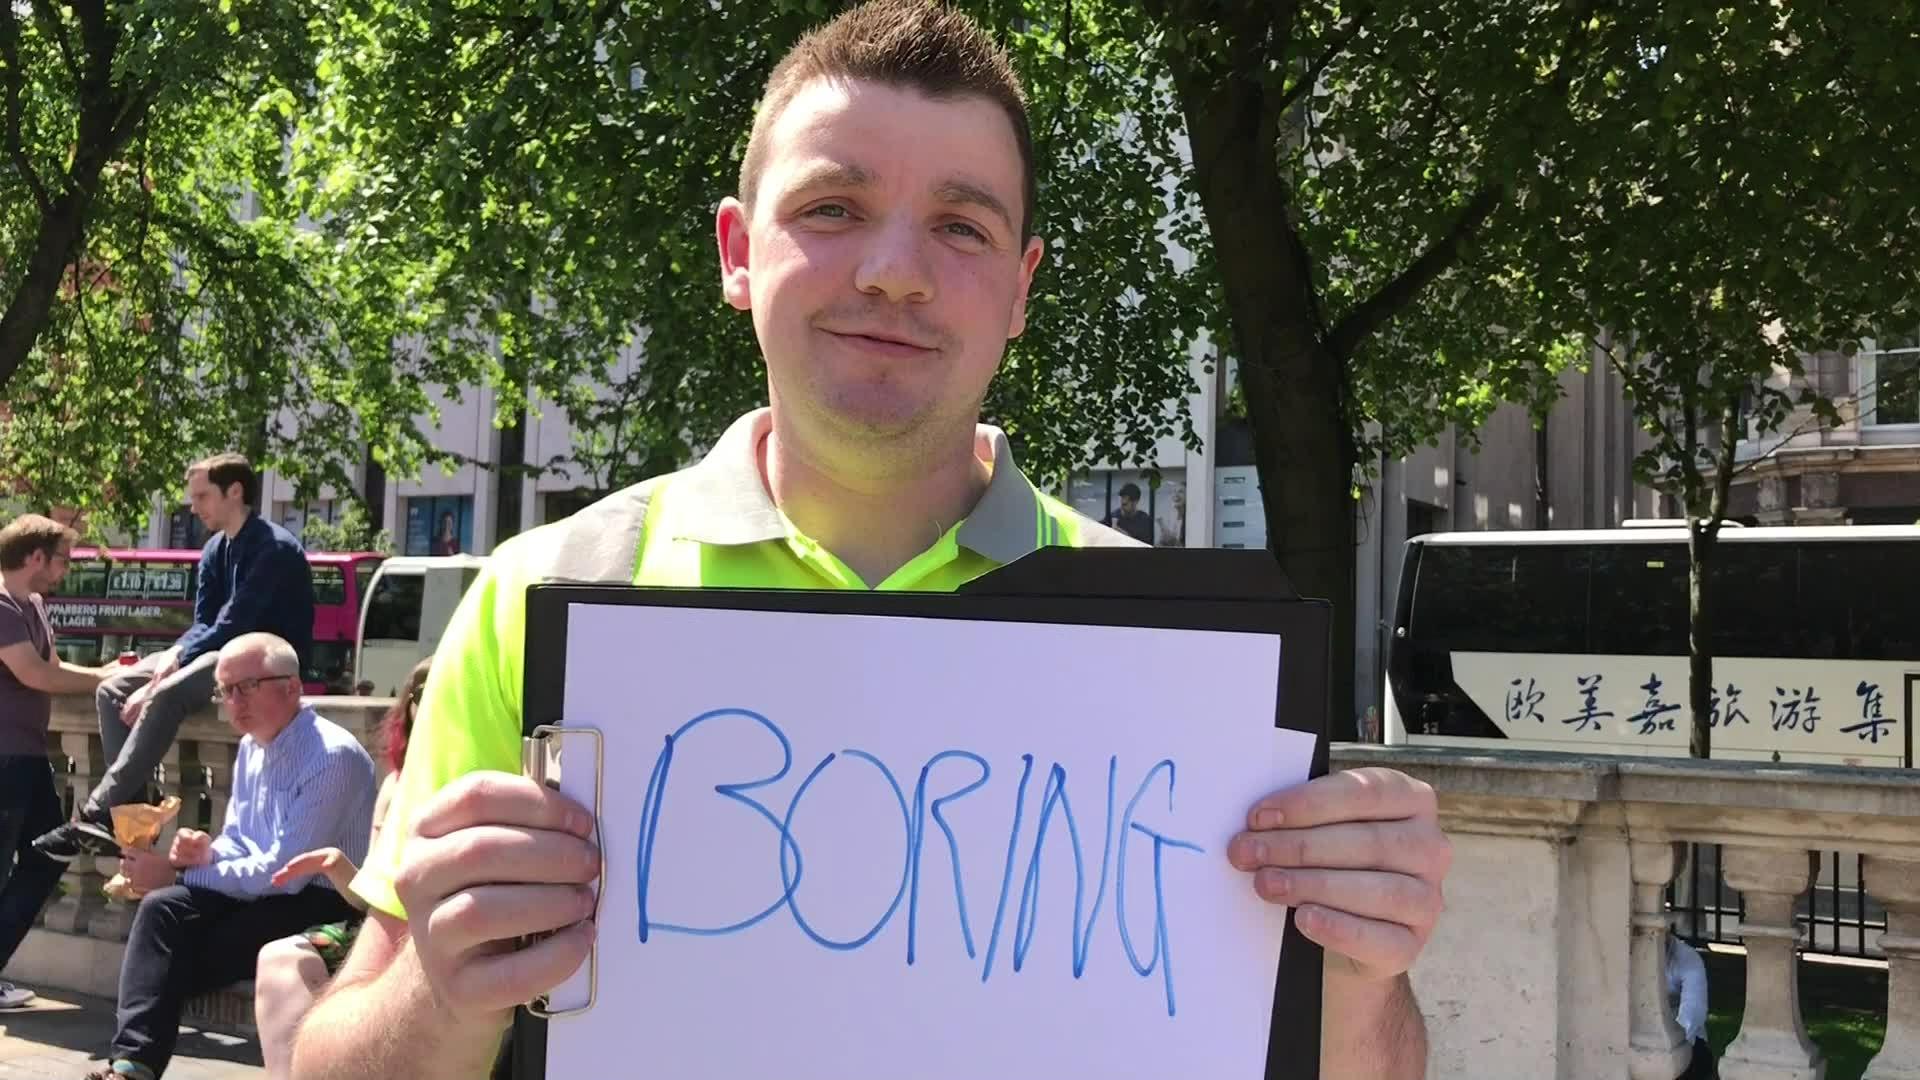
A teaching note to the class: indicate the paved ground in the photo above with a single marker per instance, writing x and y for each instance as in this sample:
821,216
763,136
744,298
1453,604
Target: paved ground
61,1036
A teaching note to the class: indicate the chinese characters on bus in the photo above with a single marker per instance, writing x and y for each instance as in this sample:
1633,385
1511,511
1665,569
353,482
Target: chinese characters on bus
1789,709
1873,719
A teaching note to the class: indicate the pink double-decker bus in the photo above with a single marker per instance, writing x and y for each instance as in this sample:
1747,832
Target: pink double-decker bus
139,601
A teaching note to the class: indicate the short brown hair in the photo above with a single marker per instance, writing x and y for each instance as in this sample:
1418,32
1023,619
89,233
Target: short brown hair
30,533
225,470
915,44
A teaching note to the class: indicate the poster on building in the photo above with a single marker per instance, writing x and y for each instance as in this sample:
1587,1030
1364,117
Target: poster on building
439,526
1130,501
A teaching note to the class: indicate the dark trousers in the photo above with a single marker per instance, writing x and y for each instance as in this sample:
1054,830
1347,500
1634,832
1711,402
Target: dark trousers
1703,1066
187,941
28,807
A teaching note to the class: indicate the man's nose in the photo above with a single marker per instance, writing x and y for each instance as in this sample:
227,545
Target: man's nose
895,264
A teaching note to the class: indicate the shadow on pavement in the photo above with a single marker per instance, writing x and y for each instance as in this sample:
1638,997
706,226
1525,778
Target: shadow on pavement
85,1025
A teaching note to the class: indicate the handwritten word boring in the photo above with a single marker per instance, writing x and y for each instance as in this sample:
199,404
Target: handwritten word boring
1036,808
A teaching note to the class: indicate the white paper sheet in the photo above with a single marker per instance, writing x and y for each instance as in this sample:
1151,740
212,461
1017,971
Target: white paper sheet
866,965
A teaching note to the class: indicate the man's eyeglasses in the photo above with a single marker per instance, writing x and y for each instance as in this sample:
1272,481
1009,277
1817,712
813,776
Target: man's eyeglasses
243,688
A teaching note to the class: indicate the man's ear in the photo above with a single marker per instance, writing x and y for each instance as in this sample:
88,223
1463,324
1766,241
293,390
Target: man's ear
1029,262
730,232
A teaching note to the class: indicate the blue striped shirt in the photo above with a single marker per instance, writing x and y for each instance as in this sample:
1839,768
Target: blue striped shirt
311,787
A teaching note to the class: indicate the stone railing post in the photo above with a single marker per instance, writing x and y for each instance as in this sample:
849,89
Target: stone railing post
80,901
1896,885
217,759
1773,1043
1659,1050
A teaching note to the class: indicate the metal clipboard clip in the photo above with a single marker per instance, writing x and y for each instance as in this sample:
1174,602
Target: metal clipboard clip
538,752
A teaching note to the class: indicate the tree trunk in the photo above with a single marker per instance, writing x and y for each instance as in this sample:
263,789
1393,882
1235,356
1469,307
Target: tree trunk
1542,476
109,115
33,298
1303,441
1304,452
1702,536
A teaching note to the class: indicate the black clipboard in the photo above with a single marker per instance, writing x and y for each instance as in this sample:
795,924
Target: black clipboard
1191,589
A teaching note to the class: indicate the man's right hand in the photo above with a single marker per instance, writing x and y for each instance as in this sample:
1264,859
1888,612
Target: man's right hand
136,705
494,858
190,848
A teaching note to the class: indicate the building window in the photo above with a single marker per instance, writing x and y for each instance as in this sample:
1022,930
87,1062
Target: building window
555,505
294,516
439,525
184,531
1423,518
1890,380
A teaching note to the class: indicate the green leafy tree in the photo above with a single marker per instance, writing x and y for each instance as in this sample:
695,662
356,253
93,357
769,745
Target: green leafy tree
557,167
163,296
1755,204
353,532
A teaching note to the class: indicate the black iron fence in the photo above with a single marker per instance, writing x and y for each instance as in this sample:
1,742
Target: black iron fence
1841,919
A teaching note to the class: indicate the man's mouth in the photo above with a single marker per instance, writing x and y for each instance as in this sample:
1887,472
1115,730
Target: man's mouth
881,341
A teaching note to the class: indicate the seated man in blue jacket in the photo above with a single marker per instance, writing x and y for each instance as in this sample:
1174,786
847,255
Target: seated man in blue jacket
253,577
300,782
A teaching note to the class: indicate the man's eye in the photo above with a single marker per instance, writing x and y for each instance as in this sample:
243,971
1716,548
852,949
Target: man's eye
961,228
828,210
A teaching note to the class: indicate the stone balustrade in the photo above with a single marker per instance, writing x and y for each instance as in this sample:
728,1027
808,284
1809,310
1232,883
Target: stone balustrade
1549,963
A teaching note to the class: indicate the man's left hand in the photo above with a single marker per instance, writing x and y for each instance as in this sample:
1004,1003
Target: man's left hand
1360,857
147,870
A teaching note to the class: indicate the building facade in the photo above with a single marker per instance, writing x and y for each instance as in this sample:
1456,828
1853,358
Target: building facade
1865,470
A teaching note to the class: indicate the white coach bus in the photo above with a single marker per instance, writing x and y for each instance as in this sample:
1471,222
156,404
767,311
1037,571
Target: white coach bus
1577,641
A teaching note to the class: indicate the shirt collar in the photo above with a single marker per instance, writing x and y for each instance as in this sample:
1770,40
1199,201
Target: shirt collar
296,728
722,500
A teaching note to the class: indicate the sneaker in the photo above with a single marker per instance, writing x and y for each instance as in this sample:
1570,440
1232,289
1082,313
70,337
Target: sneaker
88,834
14,997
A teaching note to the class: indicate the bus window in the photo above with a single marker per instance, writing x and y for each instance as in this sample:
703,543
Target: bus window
363,579
1502,598
88,578
329,585
393,611
1872,592
1642,609
1752,589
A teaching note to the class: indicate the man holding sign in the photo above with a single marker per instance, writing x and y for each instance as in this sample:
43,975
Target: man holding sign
881,241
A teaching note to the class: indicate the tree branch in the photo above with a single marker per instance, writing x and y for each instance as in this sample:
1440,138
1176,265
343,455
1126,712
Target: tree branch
1813,422
1620,368
1373,313
16,148
1341,39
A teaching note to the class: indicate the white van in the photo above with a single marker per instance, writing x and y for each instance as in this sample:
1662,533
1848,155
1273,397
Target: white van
408,605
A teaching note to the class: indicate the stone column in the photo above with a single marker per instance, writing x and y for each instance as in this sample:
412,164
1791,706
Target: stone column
80,899
1658,1050
1773,1043
217,759
1896,885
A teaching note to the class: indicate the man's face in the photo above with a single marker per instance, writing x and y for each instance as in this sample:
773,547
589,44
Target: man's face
214,508
257,702
882,259
49,568
1129,503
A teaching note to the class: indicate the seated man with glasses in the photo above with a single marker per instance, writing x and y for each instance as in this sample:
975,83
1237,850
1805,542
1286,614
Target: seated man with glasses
300,782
